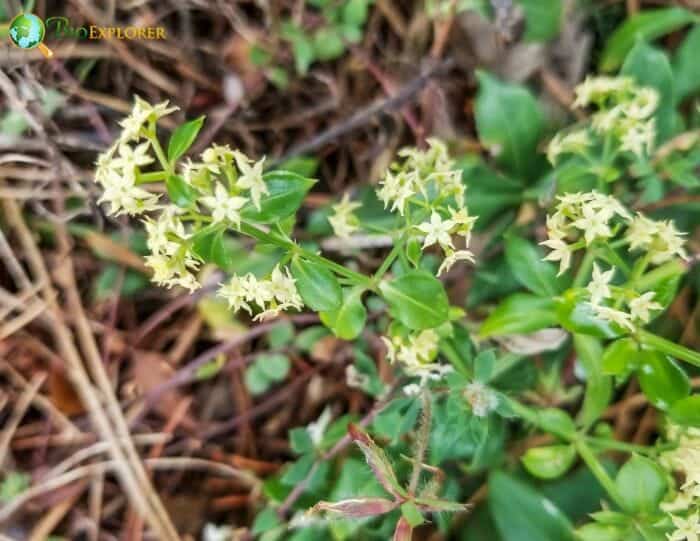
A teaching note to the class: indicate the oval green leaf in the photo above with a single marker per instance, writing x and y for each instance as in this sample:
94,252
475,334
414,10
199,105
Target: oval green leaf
642,485
520,313
686,411
620,357
417,299
286,193
528,267
347,321
318,286
549,462
661,379
521,513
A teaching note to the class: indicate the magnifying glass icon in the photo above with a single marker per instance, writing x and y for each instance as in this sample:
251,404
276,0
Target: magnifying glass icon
27,31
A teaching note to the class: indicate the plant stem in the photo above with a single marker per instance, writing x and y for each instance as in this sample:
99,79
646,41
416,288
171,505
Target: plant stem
669,348
422,438
154,176
584,269
676,267
599,472
387,262
160,154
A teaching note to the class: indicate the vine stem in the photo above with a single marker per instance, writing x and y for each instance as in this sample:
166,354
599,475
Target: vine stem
599,472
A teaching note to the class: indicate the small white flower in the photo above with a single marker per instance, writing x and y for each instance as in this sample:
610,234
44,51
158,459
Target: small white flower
130,157
452,258
643,105
142,112
642,305
437,230
235,292
598,286
317,428
594,224
124,197
396,189
224,205
343,221
639,138
570,143
561,252
283,288
173,271
481,399
687,529
463,223
251,177
623,319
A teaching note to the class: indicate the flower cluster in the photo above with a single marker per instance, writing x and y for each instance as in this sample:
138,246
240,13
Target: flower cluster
426,174
624,113
439,231
416,353
685,459
480,398
343,221
582,219
272,296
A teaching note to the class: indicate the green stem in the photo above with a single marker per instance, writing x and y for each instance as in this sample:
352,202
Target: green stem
616,445
669,348
599,472
585,268
154,176
398,246
160,154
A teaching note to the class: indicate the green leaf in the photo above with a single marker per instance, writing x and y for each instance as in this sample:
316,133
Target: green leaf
620,357
318,286
525,260
549,462
642,485
286,193
327,43
377,460
274,365
519,313
182,138
489,194
523,514
661,379
556,421
509,122
542,19
417,299
650,66
256,381
411,513
13,485
648,24
686,68
266,520
576,315
686,411
347,321
300,440
599,387
180,193
355,12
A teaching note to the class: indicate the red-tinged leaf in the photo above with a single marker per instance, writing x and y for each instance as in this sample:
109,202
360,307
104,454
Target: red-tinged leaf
357,508
377,460
436,505
403,531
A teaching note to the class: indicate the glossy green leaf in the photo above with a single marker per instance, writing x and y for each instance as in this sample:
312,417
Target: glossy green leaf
318,286
542,19
599,387
650,67
648,24
509,122
348,321
642,484
549,462
182,138
417,299
575,314
286,193
686,411
256,381
300,440
520,313
179,192
620,357
526,263
663,381
686,68
274,365
556,421
521,513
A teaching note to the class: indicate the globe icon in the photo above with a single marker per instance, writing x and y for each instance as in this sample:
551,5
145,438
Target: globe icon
27,31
